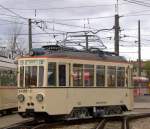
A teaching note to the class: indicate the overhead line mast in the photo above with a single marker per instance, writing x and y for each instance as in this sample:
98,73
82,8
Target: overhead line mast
30,34
117,29
139,49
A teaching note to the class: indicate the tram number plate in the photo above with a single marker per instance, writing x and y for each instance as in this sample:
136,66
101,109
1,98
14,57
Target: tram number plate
23,91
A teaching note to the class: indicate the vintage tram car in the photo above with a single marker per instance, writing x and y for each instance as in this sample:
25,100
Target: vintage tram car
57,81
8,85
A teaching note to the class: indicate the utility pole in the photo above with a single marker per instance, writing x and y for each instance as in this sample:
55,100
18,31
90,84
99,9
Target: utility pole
116,37
30,34
139,49
13,46
87,41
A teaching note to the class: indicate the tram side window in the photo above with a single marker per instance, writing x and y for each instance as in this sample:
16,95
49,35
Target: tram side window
41,75
120,76
100,75
3,78
77,75
7,78
111,76
88,75
21,76
13,78
51,74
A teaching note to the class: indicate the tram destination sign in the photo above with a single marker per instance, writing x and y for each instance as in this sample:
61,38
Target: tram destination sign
31,62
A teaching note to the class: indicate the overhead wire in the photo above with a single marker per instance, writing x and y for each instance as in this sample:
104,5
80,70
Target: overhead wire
138,2
16,14
68,7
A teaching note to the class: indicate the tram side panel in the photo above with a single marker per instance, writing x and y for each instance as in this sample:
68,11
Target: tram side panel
59,101
8,98
86,97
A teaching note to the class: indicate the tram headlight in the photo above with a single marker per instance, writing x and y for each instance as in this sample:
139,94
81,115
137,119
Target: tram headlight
39,97
21,98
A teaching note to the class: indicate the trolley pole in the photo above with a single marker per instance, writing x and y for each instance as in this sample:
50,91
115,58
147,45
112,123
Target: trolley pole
139,49
116,37
30,34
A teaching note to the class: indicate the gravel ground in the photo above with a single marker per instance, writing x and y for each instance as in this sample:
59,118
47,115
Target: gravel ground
113,125
143,123
84,126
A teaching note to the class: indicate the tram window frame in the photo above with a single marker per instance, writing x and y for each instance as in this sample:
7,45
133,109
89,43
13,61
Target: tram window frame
100,71
77,76
55,74
120,76
88,78
110,70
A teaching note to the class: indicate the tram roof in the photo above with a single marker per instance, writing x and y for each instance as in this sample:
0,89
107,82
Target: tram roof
71,53
85,55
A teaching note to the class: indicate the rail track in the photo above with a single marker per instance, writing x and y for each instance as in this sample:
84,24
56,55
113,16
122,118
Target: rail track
123,119
99,123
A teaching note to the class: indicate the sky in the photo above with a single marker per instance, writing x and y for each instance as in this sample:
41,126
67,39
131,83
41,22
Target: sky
62,16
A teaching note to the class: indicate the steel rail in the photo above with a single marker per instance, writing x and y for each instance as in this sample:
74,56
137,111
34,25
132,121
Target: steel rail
100,123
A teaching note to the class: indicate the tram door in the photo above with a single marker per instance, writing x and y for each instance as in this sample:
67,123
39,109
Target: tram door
63,77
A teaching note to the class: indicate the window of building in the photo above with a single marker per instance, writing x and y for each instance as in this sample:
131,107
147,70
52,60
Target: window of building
51,74
77,75
111,76
41,75
120,76
88,75
100,75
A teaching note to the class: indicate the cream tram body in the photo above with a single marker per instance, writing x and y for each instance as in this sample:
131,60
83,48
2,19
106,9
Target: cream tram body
8,85
65,83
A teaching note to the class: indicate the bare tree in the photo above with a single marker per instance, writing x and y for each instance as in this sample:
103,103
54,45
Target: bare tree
15,44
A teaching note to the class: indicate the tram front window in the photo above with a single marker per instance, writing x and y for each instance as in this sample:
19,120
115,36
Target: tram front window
21,76
41,75
31,76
